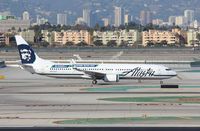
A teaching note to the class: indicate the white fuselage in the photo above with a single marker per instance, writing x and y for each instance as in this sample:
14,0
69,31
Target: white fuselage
125,71
106,72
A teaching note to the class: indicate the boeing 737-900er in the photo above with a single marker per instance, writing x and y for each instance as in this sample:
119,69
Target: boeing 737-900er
106,72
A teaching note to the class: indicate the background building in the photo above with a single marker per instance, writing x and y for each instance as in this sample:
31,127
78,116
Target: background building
181,21
41,20
4,38
28,35
118,16
130,37
73,36
25,16
145,17
13,24
9,22
157,22
80,21
157,36
172,20
127,19
87,17
189,15
106,21
62,19
192,39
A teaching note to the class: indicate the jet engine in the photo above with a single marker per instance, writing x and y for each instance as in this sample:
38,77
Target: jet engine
111,78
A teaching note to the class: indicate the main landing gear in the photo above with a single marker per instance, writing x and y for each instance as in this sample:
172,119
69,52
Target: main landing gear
161,82
94,82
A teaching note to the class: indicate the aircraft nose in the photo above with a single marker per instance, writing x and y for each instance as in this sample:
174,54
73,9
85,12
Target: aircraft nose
174,73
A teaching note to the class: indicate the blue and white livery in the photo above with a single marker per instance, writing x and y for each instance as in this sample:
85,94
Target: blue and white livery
106,72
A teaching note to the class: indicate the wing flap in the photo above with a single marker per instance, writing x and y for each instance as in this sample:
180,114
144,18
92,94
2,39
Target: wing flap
92,74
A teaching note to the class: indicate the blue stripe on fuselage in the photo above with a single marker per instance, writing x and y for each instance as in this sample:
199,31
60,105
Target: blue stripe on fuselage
74,65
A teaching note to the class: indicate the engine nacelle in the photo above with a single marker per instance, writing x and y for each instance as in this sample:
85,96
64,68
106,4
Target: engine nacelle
111,78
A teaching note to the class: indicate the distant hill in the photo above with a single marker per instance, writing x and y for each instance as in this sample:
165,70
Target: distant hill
49,8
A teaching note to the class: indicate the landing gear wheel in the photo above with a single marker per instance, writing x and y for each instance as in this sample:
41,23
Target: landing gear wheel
94,82
161,82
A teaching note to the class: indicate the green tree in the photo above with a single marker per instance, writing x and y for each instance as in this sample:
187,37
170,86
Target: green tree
38,35
158,45
176,44
198,38
133,25
163,43
13,28
32,44
44,44
124,44
193,42
2,44
112,43
97,27
150,44
19,30
82,43
69,43
121,27
149,27
98,43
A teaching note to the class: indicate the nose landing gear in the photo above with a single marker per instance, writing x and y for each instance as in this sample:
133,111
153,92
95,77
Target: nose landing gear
94,82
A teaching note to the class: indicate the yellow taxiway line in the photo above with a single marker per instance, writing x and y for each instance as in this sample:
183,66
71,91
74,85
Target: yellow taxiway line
2,77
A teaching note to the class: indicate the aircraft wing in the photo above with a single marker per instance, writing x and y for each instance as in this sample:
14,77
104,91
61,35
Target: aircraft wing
92,74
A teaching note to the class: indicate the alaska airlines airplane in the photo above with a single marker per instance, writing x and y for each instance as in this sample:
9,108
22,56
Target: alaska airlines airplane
106,72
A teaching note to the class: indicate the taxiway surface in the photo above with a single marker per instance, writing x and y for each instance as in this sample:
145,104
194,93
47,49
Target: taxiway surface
32,100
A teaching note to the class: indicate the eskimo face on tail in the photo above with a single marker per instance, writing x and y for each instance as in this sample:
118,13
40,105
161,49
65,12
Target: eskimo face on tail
27,55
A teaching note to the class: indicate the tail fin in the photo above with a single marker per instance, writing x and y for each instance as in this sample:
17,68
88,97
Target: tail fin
27,55
29,59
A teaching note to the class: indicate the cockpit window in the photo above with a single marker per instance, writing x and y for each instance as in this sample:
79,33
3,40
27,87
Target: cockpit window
168,69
